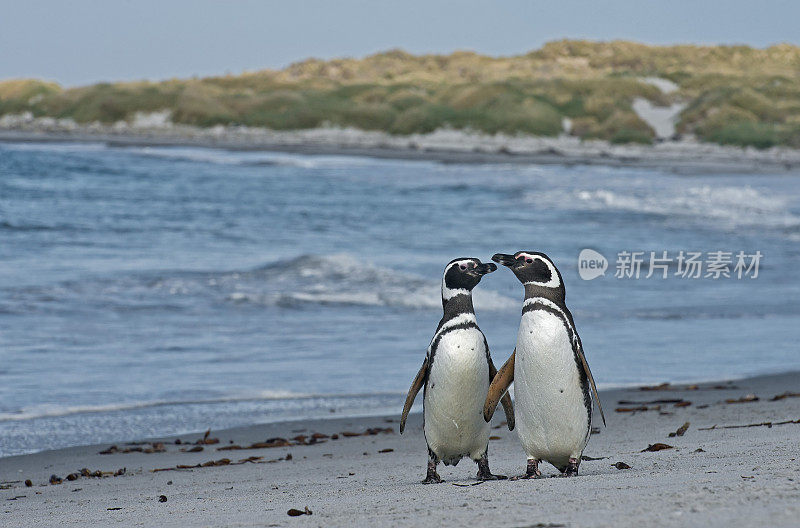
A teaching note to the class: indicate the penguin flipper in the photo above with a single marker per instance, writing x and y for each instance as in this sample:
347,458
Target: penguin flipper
508,407
416,385
577,347
591,379
499,387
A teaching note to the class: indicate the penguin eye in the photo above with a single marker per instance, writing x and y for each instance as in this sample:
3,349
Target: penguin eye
462,266
528,260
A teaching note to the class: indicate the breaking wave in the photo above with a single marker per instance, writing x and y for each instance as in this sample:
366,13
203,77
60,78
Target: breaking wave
230,157
54,411
201,155
330,280
54,146
334,280
722,207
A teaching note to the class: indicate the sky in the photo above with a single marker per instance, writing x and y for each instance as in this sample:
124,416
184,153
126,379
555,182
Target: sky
84,41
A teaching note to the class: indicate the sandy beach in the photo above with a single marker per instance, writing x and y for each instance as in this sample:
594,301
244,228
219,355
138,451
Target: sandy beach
716,473
228,231
683,156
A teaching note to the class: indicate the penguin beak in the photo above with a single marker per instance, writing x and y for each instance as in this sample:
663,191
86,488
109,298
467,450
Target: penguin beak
506,260
483,269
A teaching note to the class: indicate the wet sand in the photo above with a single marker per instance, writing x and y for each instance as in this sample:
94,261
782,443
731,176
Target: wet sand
711,475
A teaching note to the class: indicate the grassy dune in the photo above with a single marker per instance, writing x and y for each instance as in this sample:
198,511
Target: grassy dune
737,95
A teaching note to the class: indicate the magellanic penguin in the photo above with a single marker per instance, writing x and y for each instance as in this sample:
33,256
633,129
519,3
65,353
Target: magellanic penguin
456,375
549,370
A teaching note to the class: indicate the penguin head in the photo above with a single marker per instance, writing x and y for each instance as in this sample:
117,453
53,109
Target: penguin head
461,275
533,268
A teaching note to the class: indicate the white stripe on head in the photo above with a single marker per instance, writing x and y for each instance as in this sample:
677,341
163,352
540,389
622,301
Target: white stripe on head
449,293
554,281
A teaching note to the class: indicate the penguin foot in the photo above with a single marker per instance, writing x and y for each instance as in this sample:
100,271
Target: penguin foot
490,476
483,470
433,478
531,472
527,477
572,468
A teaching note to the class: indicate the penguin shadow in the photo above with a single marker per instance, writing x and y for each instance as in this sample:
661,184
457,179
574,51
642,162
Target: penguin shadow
593,472
467,482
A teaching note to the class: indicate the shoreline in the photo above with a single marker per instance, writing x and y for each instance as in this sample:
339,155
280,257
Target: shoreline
443,146
710,475
602,389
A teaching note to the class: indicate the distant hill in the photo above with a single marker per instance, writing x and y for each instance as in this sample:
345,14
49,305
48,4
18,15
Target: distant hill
733,94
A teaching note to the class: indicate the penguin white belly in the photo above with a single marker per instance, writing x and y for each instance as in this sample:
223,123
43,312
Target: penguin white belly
550,410
458,382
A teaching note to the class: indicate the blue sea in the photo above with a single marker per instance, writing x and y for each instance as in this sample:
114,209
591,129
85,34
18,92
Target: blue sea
156,291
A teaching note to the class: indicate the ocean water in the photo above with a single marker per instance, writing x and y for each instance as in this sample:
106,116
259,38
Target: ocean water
155,291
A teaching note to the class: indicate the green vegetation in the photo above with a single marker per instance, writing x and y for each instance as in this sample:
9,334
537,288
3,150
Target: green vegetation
737,95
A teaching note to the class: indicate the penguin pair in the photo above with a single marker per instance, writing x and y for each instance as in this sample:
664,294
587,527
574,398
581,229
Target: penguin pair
553,411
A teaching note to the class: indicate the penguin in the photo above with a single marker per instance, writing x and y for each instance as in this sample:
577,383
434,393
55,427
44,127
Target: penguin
456,375
552,380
